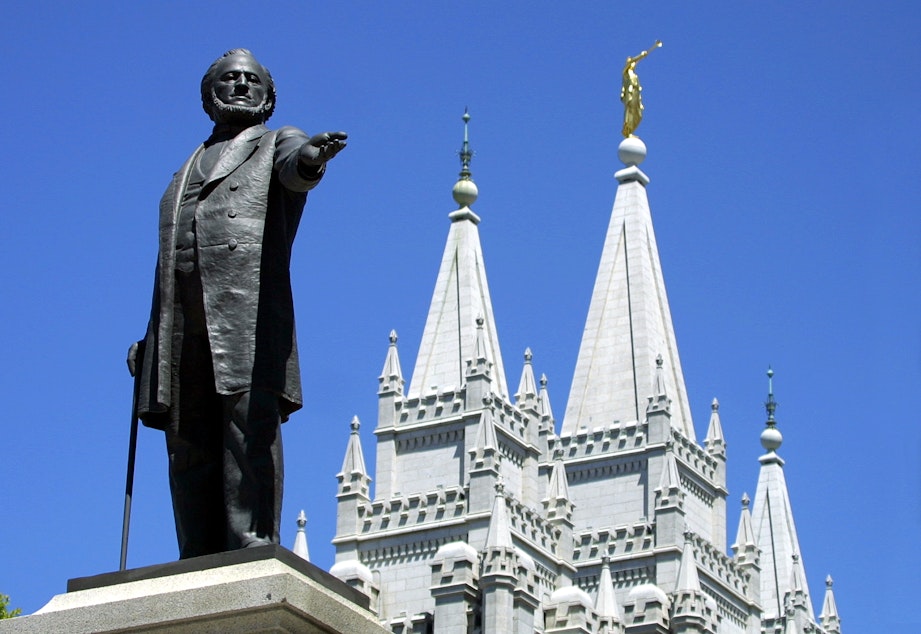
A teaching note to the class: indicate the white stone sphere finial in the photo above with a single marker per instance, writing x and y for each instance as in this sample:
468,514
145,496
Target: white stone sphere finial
465,191
631,151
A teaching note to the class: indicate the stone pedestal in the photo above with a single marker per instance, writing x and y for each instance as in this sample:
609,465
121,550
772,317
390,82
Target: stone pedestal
260,590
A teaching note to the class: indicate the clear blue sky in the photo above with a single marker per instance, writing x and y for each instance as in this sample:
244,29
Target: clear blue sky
784,158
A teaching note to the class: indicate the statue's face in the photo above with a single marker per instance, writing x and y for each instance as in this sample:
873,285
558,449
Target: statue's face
239,81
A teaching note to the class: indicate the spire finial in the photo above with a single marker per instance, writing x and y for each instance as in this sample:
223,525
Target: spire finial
465,190
771,438
300,539
466,153
770,405
355,424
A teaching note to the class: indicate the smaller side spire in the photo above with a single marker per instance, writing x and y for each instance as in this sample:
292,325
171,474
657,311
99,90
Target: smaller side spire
480,363
559,484
606,608
391,378
669,489
526,396
745,549
499,534
659,399
688,579
354,475
715,441
797,599
558,504
692,610
546,412
486,443
831,622
465,191
300,540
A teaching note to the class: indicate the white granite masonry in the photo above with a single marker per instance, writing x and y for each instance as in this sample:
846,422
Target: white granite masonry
487,520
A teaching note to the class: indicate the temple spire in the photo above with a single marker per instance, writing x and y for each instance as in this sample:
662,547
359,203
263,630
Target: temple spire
629,322
461,295
772,520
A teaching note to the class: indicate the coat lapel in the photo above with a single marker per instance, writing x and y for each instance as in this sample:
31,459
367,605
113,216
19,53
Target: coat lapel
239,149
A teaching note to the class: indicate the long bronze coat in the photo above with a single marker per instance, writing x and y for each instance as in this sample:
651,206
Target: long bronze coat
246,220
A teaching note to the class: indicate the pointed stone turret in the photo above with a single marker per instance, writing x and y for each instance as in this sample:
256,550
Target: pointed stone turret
353,465
746,555
692,611
796,600
669,491
300,540
526,396
688,579
629,322
499,576
744,549
544,408
484,465
831,622
772,520
607,611
558,506
499,535
716,448
715,442
389,400
461,294
354,485
669,511
659,407
391,378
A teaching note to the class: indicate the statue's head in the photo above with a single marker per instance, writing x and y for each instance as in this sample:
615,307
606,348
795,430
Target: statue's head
237,89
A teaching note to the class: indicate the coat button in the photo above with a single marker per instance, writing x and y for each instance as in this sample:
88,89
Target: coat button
231,214
232,244
234,186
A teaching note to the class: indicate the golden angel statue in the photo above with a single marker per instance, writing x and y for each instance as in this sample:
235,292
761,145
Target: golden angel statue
630,92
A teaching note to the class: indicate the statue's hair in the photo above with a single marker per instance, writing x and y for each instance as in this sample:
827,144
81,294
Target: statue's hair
208,80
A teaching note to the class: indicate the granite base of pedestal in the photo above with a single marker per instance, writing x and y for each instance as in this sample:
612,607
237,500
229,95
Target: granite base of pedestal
261,590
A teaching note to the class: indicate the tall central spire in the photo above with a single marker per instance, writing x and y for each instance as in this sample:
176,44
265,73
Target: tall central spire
629,323
461,297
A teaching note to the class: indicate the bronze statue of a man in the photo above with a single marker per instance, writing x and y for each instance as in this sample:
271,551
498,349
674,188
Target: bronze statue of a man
218,367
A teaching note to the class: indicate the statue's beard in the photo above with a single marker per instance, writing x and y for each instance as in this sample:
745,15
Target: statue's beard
238,115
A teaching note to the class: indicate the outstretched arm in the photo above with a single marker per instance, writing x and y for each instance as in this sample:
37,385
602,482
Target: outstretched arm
321,148
301,161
